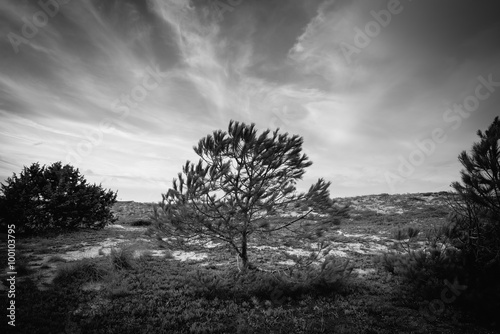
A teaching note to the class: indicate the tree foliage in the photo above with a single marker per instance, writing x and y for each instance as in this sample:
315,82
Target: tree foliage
477,213
476,223
240,178
55,197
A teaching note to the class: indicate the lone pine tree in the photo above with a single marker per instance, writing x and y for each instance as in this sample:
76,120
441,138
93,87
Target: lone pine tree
241,177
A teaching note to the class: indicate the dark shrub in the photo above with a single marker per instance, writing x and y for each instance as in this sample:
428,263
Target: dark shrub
52,198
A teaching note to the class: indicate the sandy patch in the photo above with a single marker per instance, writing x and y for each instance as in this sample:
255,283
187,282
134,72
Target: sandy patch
126,228
300,252
187,256
155,252
338,253
360,248
102,248
176,255
364,272
203,242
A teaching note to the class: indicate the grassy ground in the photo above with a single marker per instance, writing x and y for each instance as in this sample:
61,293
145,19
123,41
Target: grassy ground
111,281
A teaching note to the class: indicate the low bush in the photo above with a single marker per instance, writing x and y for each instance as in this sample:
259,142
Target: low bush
53,198
425,269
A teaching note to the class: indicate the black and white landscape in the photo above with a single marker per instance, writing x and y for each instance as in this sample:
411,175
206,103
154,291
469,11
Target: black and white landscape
250,166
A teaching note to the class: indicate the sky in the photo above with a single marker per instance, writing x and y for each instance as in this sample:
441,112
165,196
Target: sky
386,94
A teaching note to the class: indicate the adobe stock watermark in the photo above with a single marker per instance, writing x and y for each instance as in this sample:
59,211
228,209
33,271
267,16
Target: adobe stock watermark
12,273
122,108
219,7
49,9
363,38
427,146
430,310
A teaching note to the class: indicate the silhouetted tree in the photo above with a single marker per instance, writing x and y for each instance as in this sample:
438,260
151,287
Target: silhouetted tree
240,177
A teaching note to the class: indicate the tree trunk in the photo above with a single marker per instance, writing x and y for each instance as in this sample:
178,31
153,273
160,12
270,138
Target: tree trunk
244,255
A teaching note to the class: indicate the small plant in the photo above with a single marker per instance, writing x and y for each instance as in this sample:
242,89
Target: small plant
390,261
85,270
122,258
406,238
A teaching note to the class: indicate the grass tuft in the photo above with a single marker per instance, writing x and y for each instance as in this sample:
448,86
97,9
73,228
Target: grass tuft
85,270
122,258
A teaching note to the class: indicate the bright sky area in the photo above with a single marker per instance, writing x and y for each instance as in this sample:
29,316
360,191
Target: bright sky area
386,94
